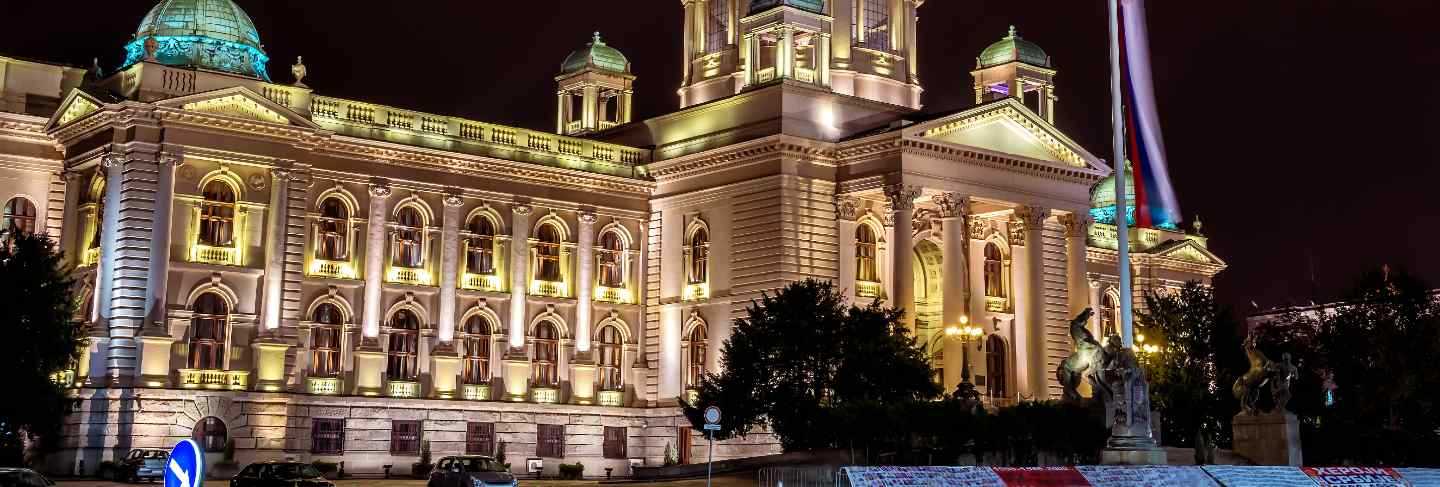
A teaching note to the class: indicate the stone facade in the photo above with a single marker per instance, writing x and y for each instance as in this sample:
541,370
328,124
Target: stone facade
280,255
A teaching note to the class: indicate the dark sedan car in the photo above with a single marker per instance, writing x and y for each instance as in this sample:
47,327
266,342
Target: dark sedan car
278,473
22,477
142,464
470,471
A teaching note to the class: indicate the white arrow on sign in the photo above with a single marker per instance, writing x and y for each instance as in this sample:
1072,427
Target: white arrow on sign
180,473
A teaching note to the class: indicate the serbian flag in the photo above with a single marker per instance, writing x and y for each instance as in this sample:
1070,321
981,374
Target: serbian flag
1155,203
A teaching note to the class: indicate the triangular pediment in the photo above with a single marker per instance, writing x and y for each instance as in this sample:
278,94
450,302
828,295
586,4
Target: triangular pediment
1190,251
76,105
1009,127
239,102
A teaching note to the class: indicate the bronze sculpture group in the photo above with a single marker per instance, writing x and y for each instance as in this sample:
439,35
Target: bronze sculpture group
1264,374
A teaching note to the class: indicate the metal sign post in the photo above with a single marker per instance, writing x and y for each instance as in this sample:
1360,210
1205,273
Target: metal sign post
712,424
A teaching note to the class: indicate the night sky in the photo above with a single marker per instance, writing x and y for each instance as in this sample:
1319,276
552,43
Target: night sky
1304,132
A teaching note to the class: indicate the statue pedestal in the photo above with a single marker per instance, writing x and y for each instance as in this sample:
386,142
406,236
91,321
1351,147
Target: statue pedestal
1269,438
1112,456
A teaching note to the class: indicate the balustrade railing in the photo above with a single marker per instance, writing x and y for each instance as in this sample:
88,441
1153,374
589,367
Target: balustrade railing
237,380
403,388
328,386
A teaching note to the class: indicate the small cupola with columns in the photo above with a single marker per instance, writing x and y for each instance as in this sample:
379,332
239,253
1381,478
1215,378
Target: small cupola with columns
1015,67
595,88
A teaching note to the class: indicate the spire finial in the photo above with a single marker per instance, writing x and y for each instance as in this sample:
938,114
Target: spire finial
597,38
1012,30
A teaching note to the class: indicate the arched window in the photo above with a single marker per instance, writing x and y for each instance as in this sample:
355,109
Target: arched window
547,253
995,366
874,22
208,326
1108,312
994,271
19,216
480,247
865,251
608,351
211,434
546,354
332,231
325,341
695,369
477,350
717,25
404,345
409,243
610,255
217,214
699,257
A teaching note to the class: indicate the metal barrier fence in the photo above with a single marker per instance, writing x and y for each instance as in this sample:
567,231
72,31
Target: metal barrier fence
798,476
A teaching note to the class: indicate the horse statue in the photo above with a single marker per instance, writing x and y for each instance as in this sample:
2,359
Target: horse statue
1248,387
1085,361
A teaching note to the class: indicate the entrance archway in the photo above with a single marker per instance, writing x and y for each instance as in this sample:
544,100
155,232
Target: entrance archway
929,300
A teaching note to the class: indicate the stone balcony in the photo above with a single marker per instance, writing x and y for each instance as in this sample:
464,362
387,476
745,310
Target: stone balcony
333,269
235,380
325,386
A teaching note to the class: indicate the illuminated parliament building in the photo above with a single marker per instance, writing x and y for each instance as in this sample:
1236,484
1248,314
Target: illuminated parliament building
320,278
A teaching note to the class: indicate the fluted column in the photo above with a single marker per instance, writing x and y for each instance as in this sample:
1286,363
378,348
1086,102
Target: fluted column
275,221
954,216
1033,313
1077,227
519,263
584,280
449,266
375,261
846,211
902,254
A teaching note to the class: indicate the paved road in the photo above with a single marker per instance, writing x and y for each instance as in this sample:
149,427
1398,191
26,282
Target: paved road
726,481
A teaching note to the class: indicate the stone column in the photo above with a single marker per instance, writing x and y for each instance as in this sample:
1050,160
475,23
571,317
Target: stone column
1048,102
847,210
519,263
626,104
688,53
274,280
589,108
954,215
822,60
155,339
449,267
1033,313
585,279
560,108
902,253
369,356
70,228
752,59
1077,227
785,52
120,354
911,52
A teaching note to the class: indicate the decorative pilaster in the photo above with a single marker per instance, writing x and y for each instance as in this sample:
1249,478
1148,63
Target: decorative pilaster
847,210
275,249
449,268
1077,228
1032,218
955,295
375,262
70,220
519,264
585,262
902,210
121,353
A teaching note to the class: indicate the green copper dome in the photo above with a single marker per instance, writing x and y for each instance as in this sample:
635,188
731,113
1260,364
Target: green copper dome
208,34
817,6
1013,48
1104,193
596,54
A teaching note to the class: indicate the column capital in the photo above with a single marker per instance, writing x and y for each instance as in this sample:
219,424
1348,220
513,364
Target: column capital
846,208
1032,216
380,190
453,200
902,196
588,217
112,159
952,205
281,174
520,208
1076,224
174,157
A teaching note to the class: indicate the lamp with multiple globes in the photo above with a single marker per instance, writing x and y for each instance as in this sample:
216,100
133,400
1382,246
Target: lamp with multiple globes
965,332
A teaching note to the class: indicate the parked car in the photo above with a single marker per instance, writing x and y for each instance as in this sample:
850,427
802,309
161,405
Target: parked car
470,471
22,477
279,473
142,464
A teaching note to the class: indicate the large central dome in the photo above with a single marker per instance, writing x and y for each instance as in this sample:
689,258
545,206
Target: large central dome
208,34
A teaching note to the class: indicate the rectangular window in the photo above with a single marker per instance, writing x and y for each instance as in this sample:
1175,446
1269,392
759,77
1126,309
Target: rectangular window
404,437
615,442
480,438
876,24
327,436
550,441
717,22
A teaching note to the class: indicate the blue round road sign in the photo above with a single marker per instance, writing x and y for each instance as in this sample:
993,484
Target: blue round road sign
187,465
712,415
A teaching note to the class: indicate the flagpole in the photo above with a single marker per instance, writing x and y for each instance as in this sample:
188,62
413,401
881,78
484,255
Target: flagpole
1122,224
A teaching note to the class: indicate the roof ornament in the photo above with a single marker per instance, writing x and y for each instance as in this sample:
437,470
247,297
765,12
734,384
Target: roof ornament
597,40
151,45
1012,32
299,71
1197,225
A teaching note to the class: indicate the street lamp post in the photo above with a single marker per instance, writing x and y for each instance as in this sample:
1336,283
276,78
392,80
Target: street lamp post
965,332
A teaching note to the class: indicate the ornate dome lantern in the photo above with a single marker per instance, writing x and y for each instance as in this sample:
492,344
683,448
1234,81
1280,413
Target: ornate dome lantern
206,34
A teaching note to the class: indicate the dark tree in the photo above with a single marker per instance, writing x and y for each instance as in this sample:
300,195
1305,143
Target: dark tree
801,360
1190,376
39,336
